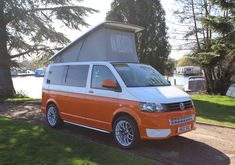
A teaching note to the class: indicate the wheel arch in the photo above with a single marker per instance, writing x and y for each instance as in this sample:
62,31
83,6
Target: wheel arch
59,121
125,112
51,101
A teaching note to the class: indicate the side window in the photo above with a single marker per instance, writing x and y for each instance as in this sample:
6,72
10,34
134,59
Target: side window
99,74
77,75
56,75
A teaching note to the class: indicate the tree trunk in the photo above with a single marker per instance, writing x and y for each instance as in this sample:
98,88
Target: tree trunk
217,85
224,88
207,14
6,84
208,80
195,25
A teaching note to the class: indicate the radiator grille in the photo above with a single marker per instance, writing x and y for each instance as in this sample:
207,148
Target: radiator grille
176,121
176,106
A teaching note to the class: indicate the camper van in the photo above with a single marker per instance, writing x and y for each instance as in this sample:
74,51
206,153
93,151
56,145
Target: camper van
195,84
130,100
189,70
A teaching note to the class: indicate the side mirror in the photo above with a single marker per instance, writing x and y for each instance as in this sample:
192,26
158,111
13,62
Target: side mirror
109,84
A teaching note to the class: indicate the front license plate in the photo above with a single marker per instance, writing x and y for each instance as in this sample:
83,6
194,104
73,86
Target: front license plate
184,128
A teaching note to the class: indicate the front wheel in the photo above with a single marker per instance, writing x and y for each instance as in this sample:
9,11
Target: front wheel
53,116
125,132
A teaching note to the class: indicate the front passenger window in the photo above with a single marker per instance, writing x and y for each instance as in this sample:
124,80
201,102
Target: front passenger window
99,74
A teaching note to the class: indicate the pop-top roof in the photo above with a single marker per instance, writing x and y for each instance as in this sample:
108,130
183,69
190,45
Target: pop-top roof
107,24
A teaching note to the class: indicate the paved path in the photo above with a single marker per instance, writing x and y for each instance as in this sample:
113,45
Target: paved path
207,145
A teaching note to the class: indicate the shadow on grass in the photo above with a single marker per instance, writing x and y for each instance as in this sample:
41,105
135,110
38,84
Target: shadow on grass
215,111
22,143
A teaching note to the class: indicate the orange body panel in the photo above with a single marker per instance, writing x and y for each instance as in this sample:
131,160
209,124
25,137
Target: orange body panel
98,112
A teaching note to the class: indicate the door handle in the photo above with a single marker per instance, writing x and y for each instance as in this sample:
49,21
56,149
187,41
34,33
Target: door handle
90,91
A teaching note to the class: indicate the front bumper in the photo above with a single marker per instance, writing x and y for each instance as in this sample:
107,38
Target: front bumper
166,124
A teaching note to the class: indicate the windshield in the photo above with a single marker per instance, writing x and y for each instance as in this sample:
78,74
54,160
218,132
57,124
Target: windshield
140,75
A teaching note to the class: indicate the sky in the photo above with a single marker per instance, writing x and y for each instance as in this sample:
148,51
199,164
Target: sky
103,6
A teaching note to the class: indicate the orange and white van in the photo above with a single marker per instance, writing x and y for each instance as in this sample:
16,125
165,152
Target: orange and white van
131,100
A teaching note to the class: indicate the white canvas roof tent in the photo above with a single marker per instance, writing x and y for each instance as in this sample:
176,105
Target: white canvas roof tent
109,41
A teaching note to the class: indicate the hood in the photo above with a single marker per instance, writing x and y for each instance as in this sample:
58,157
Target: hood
162,94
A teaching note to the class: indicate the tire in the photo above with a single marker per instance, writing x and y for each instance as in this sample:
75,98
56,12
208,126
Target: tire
53,116
125,132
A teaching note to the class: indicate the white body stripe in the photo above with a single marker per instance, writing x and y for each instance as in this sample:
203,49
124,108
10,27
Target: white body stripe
161,94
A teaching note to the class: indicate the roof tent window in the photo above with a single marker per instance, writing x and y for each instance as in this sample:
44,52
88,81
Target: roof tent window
56,75
77,75
121,43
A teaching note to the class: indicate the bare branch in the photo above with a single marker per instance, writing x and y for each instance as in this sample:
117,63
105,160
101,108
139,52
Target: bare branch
21,54
32,50
59,8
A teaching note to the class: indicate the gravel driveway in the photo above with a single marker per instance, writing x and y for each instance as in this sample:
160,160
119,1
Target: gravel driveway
206,145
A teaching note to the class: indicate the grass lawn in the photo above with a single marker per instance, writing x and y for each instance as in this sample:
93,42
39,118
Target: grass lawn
215,109
23,143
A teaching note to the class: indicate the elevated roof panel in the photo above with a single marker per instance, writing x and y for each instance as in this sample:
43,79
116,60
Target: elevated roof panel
123,26
107,24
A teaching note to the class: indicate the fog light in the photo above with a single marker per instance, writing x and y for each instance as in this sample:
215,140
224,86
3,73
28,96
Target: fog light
157,133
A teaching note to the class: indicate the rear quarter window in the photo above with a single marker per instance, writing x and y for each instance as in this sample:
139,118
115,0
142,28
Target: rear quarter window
77,75
56,75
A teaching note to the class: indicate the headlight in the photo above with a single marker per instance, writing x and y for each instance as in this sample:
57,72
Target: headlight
151,107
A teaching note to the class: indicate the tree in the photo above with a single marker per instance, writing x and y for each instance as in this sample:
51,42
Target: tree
35,63
185,61
170,67
196,35
152,44
213,50
26,28
218,59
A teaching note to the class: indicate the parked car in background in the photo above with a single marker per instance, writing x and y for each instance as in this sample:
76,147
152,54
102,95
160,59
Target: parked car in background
40,72
195,84
231,91
21,71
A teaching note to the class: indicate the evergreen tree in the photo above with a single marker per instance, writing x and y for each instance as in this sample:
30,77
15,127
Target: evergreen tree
152,44
218,59
186,60
214,50
26,27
